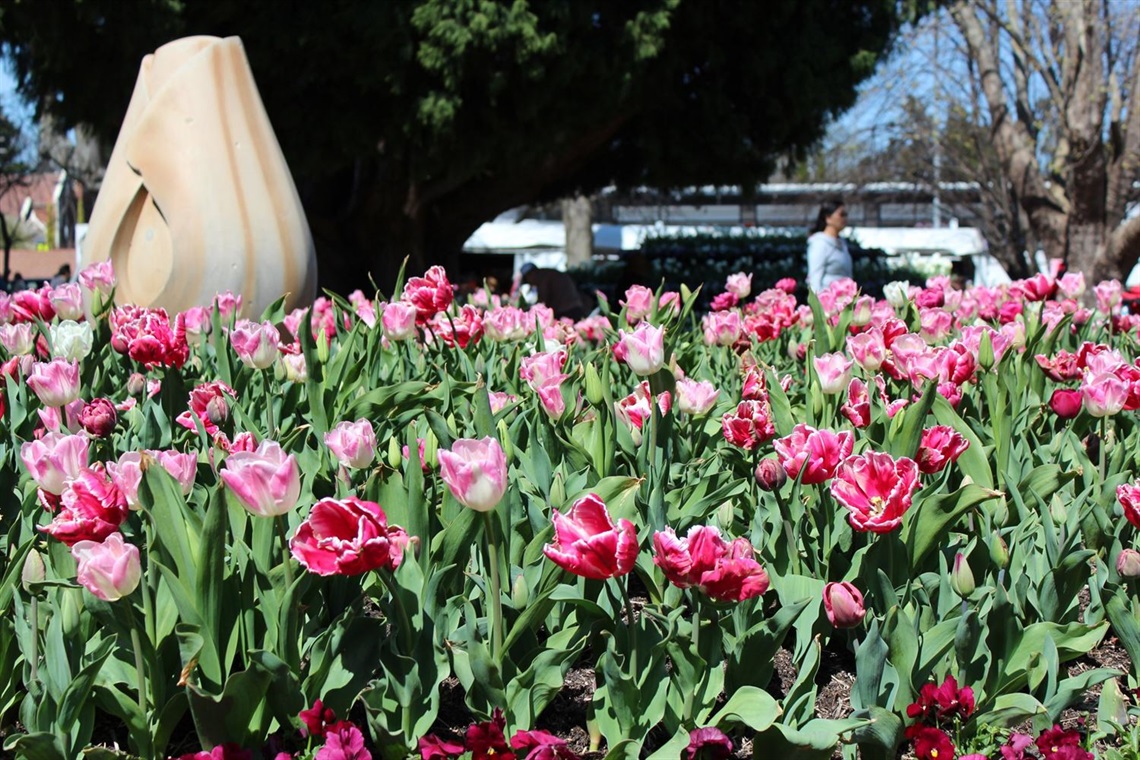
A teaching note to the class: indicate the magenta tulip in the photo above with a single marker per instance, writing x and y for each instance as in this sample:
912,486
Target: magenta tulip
588,543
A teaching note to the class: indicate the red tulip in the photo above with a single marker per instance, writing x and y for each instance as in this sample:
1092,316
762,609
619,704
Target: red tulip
876,489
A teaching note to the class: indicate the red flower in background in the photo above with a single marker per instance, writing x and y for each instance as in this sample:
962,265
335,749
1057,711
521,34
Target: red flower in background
936,703
930,743
941,445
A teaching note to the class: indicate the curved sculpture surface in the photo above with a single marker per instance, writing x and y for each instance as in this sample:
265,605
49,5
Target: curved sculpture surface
197,198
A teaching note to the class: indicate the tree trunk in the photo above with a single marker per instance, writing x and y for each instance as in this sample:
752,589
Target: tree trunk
577,216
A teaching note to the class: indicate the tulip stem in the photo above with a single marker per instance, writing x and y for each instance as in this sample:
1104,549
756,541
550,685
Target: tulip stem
1103,446
631,628
496,590
34,624
280,520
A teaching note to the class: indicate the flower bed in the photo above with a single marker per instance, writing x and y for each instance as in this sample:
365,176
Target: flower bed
283,536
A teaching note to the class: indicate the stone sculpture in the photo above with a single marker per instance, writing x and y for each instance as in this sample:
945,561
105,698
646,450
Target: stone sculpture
197,198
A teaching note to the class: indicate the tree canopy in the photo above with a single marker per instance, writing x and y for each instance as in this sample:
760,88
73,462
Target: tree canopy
409,122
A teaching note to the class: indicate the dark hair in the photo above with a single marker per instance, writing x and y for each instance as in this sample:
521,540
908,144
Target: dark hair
826,209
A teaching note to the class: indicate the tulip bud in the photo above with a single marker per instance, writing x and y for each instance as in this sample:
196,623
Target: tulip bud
34,570
1058,512
1128,563
593,385
1066,403
770,475
323,347
431,446
843,604
557,489
136,385
395,454
505,439
98,418
725,515
986,352
217,410
520,592
999,552
962,577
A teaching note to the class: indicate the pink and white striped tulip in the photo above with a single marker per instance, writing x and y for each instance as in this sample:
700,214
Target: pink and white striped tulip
266,481
54,460
399,320
834,372
55,383
109,569
475,471
353,443
644,349
739,284
255,344
696,397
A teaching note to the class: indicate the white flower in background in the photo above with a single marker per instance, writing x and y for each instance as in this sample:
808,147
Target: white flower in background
71,340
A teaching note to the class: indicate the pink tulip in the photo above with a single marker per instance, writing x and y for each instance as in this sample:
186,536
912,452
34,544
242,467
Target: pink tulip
876,489
202,398
940,446
644,349
91,508
399,320
724,571
725,301
500,400
109,569
636,408
834,372
363,306
429,294
265,481
862,311
182,467
126,474
739,284
98,278
550,396
18,339
148,337
843,604
696,397
588,543
1072,284
197,323
475,471
749,425
1103,394
55,383
540,367
296,370
353,443
462,329
54,459
67,300
816,452
936,325
722,328
1108,296
347,537
506,324
638,303
255,344
228,305
857,407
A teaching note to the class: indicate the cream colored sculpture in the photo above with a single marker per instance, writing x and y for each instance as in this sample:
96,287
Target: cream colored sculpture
197,198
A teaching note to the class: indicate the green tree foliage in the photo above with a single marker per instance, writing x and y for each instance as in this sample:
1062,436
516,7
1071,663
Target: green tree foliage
409,122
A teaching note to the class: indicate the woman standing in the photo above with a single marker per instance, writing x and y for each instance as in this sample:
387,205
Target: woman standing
827,255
